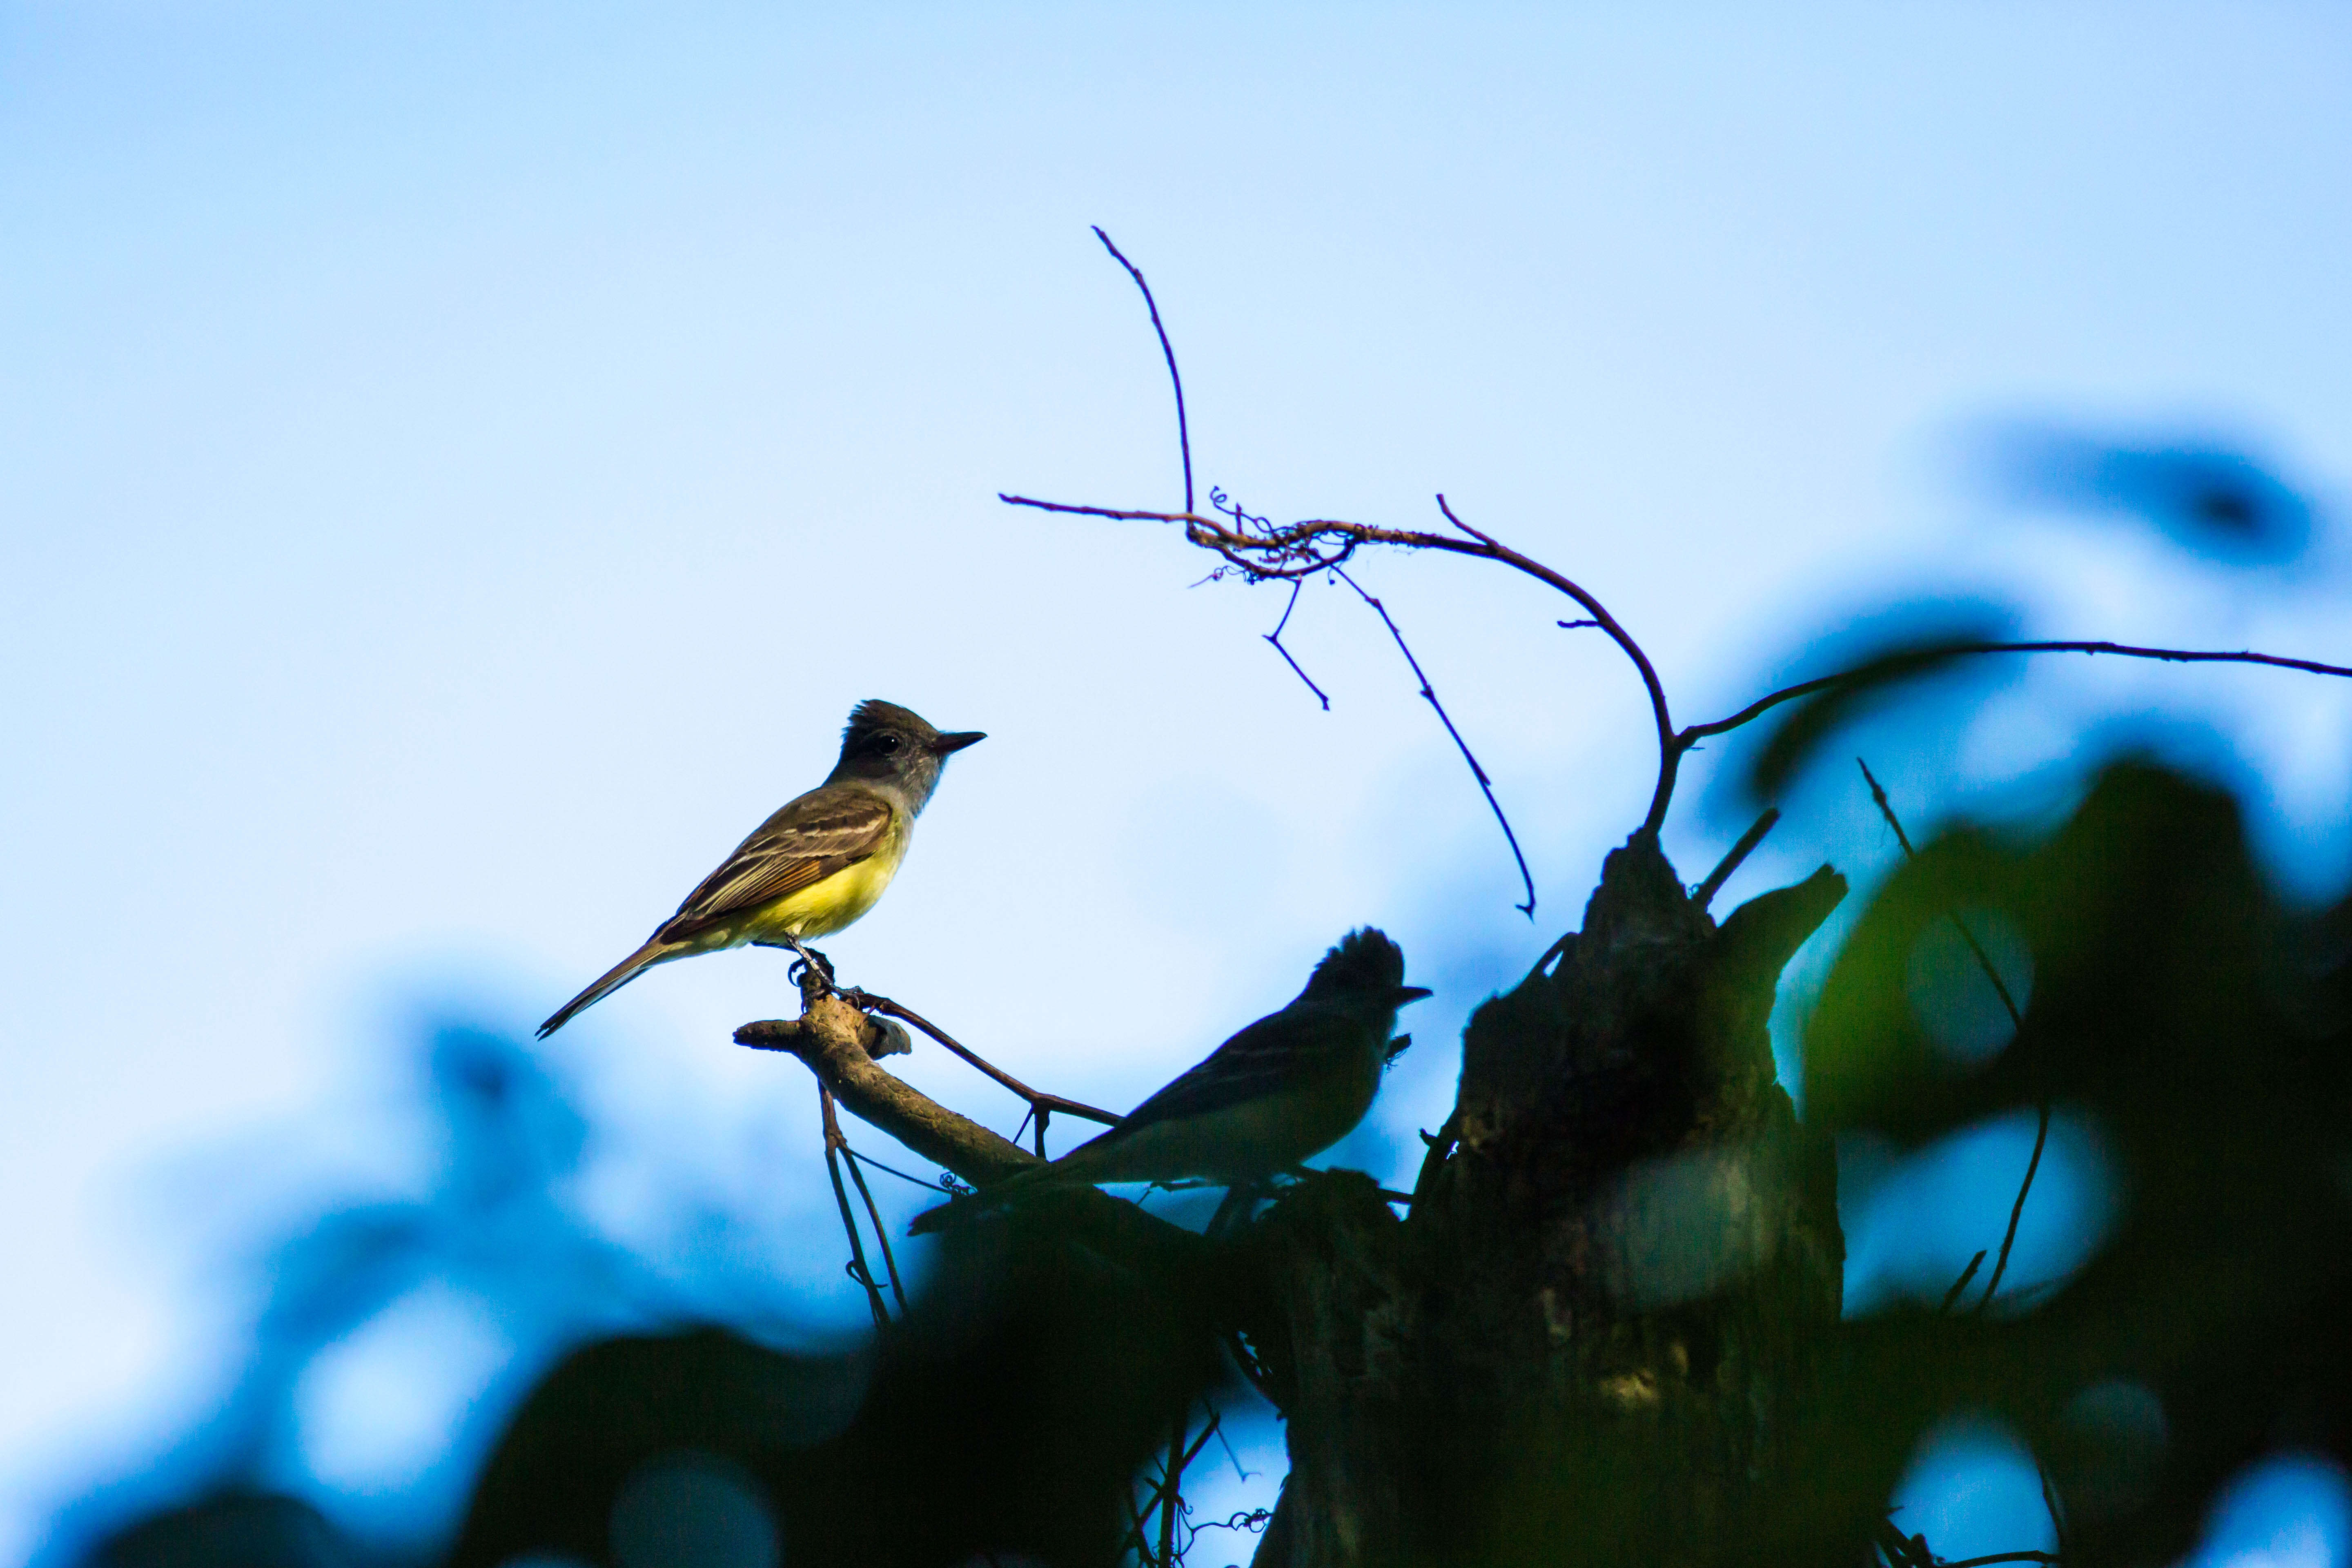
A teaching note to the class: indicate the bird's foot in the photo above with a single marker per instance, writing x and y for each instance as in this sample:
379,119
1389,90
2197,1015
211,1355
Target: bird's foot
810,970
1240,1204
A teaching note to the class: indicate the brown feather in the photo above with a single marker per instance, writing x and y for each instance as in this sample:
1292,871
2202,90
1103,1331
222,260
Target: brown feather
823,831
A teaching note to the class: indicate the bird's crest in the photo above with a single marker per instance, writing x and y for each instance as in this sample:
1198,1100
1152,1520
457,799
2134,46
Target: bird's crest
1365,960
876,714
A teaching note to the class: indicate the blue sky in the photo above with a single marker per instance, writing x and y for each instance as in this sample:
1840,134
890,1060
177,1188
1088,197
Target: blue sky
463,462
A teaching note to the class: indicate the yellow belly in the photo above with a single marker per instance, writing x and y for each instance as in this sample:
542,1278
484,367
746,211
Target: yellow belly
822,907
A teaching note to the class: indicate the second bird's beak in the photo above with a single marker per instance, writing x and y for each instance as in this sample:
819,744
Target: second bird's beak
956,742
1411,994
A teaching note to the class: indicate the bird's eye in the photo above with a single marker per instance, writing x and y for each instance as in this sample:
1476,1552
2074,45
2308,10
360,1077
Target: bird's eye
885,743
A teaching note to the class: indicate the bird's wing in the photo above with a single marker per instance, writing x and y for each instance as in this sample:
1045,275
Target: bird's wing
811,837
1281,1051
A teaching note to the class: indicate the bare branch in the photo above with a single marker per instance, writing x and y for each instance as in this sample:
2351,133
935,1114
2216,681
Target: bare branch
831,1040
1961,1284
927,1184
1902,1551
834,1040
873,1212
1184,430
2016,1022
2050,1501
1886,810
2009,1237
1984,959
1486,785
1263,552
1040,1102
1171,1497
1275,636
1670,748
1704,894
1763,705
859,1270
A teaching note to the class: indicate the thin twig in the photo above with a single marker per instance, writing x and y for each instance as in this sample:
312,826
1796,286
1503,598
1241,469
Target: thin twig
1900,1549
1155,1488
1241,1471
894,1171
881,1231
1704,894
1670,753
2005,1557
2009,1237
1184,430
1160,1491
1429,692
2016,1024
1961,1284
867,1001
1984,959
1886,810
1275,636
1202,1441
1135,1530
1298,550
834,1143
2050,1501
1949,650
1252,1520
1171,1497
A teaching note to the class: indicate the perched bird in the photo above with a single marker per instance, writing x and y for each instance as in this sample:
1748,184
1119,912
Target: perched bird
1288,1086
815,865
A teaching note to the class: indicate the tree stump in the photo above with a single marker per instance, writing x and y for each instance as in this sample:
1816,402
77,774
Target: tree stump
1584,1342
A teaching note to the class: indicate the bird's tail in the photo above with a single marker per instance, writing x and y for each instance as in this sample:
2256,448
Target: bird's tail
612,980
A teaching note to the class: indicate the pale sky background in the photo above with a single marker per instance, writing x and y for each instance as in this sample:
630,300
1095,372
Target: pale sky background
461,464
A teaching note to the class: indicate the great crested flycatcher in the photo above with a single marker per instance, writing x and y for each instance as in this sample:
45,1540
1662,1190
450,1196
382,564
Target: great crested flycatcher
815,865
1288,1086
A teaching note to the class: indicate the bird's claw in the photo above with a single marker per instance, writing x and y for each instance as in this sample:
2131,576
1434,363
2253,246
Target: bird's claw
808,961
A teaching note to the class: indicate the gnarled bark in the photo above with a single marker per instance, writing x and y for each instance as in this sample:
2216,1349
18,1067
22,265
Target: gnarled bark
1581,1343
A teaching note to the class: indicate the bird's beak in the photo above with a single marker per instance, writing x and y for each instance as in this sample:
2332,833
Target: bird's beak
956,742
1411,994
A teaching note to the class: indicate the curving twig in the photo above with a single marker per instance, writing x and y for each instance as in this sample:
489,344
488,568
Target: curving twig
1428,693
1184,430
1262,551
1275,636
1704,894
1878,669
859,1270
1290,551
2017,1024
873,1213
1041,1104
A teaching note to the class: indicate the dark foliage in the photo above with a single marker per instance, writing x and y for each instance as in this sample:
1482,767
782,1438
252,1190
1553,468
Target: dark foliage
2210,498
1005,1417
2204,1028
